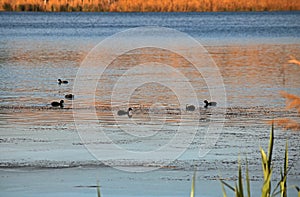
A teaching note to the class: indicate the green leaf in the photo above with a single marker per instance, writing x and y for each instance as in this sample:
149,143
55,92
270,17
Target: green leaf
266,186
240,181
271,141
223,190
193,185
264,163
237,192
283,184
283,178
247,178
282,188
278,184
286,159
297,188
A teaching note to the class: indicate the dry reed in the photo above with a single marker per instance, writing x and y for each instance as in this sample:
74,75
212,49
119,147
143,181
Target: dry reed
149,5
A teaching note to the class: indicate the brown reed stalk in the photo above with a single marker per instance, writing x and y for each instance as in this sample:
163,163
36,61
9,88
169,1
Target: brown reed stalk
149,5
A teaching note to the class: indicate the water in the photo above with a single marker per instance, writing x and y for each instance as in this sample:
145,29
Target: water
38,48
251,51
202,25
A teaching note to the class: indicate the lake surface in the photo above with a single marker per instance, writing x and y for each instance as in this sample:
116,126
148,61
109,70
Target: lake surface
250,51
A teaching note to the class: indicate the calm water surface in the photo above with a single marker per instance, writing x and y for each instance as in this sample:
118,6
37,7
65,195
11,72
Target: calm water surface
251,51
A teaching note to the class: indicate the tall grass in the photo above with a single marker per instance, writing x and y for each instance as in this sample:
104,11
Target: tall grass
266,160
149,5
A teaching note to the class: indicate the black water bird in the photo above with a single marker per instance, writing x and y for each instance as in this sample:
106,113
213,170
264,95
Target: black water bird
190,107
209,104
69,96
62,82
58,104
128,112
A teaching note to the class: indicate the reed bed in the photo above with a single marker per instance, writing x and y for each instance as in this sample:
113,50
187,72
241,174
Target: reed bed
149,5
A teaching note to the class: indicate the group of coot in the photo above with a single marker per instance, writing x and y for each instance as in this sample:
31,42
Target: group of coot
67,96
192,107
187,108
121,112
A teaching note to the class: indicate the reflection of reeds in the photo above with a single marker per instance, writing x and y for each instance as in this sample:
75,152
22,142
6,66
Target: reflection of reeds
292,102
287,123
294,61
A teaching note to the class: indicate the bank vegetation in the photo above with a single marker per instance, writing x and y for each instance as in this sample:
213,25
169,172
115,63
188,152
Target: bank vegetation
148,5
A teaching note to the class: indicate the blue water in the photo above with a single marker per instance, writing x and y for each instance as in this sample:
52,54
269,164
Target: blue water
199,25
38,48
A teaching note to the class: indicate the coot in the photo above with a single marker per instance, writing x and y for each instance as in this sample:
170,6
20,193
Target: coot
128,112
58,104
69,96
60,81
190,107
209,104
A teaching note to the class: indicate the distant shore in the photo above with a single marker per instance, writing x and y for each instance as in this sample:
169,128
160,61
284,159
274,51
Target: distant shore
148,6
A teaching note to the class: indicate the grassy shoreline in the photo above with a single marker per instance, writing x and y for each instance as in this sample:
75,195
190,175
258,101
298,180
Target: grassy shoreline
149,6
